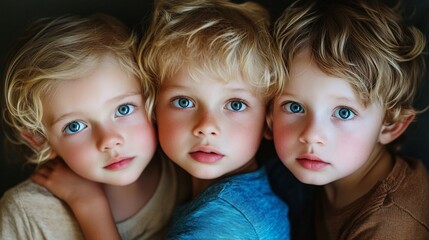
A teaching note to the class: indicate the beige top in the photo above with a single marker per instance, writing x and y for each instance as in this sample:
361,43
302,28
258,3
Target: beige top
396,208
29,211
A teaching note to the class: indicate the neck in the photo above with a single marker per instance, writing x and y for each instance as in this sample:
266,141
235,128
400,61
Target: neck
125,201
199,185
348,189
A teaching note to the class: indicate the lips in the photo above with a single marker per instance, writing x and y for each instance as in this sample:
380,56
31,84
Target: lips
119,163
206,155
311,162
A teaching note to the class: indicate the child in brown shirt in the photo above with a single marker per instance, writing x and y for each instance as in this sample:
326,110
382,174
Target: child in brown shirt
354,68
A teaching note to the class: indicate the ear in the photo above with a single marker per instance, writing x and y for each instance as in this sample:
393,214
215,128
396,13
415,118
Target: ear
268,133
391,132
37,141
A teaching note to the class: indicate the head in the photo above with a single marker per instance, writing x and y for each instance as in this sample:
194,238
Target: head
354,70
74,90
215,69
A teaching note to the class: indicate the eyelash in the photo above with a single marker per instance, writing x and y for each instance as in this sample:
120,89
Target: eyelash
176,104
241,101
82,125
352,111
286,106
134,108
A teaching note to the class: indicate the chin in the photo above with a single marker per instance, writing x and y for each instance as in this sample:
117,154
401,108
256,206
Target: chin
206,175
305,178
124,181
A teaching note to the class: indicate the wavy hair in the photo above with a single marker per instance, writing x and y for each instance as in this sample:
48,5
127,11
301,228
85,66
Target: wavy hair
212,36
58,49
364,42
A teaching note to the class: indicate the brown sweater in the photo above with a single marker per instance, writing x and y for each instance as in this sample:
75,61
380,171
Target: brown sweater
396,208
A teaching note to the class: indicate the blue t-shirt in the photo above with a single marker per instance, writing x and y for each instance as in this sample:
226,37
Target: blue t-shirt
238,207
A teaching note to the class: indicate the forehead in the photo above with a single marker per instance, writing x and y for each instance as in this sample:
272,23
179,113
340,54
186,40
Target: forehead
307,78
106,81
201,72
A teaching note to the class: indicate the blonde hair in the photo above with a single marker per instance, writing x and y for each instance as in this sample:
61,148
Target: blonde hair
215,36
58,49
365,43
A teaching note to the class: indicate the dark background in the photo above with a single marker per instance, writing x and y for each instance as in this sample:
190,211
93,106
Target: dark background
16,15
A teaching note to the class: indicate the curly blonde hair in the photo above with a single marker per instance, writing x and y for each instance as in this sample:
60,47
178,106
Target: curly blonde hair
58,49
215,36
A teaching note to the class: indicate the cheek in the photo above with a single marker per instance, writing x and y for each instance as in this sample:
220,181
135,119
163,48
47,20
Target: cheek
80,158
245,137
171,135
142,135
355,147
284,136
166,123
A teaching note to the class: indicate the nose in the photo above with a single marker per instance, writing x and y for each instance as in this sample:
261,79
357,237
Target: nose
312,132
109,138
206,126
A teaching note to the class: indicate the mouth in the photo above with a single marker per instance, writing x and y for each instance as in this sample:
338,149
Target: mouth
311,162
206,155
119,163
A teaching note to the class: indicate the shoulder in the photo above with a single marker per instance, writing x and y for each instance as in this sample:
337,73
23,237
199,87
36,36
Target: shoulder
399,205
29,208
27,194
245,202
254,187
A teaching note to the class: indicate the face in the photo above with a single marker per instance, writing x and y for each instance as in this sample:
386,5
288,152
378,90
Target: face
208,126
99,126
322,132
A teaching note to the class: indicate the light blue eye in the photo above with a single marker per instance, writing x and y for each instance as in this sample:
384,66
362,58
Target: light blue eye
182,103
236,106
74,127
344,113
124,110
293,107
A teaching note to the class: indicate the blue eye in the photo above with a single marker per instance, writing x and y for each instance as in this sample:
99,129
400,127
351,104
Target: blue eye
74,127
124,110
236,106
293,107
344,113
182,103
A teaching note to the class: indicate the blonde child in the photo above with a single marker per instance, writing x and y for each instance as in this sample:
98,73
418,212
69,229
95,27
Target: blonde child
354,69
216,68
74,93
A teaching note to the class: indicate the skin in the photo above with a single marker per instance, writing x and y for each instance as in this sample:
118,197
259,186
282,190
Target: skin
210,127
102,116
97,125
325,135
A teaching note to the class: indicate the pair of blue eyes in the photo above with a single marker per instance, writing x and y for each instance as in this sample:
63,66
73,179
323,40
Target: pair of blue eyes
235,105
342,112
77,126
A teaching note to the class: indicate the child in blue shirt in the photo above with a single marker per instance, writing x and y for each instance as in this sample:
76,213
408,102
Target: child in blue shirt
216,68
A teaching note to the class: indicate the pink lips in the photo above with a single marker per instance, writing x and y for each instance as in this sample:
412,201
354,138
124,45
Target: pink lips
206,155
311,162
119,163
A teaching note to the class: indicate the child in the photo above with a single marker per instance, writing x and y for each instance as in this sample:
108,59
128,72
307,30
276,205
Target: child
354,69
216,68
74,91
